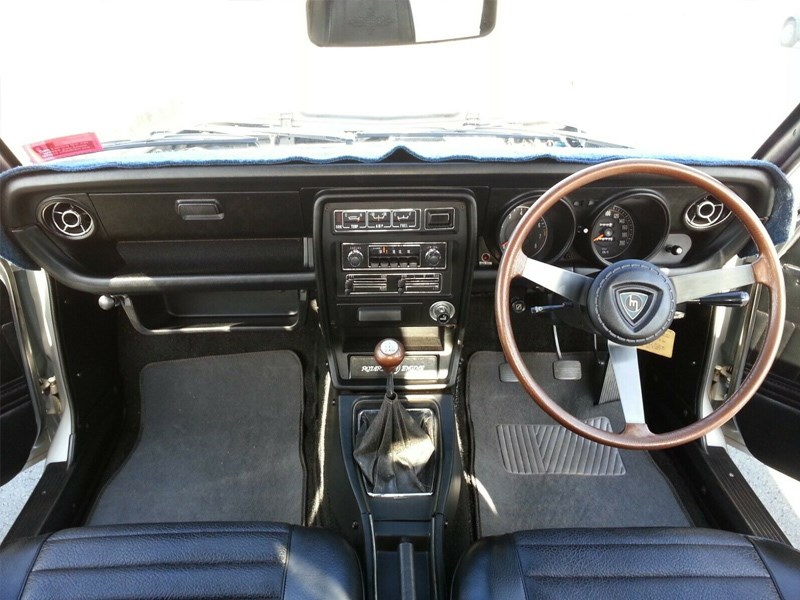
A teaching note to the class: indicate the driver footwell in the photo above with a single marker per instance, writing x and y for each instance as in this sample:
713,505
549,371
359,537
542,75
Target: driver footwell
531,473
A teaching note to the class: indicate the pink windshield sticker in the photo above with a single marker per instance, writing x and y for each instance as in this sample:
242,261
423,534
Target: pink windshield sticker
69,145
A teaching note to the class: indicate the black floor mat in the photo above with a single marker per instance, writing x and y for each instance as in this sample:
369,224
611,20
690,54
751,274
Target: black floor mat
530,473
219,441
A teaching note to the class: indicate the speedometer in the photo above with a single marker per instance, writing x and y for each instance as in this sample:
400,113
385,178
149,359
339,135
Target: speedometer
612,232
535,242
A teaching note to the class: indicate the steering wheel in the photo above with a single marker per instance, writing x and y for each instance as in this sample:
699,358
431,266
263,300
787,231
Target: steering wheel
632,302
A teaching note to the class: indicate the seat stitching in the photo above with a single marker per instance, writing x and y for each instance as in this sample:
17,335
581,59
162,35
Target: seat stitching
521,570
767,569
167,530
190,565
205,532
622,544
30,568
646,576
223,596
288,558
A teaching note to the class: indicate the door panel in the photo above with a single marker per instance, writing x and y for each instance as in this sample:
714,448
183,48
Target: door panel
770,423
18,427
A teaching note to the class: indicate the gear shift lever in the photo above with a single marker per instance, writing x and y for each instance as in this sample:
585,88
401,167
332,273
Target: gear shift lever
393,448
389,354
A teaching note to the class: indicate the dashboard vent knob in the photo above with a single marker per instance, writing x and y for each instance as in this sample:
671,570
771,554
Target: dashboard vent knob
68,219
705,213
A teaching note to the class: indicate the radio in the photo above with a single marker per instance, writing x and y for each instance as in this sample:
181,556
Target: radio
428,255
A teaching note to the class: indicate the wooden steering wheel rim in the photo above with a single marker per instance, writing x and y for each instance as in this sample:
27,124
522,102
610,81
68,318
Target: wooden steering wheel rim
766,269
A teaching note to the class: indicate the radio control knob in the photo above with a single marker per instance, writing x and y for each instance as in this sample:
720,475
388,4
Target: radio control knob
433,257
355,258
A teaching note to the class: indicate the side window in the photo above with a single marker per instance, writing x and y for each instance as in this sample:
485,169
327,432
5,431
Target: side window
18,427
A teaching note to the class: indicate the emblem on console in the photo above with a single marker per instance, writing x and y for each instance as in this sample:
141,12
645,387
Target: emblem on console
633,304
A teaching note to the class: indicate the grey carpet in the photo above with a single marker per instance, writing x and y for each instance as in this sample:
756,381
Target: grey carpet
604,488
219,441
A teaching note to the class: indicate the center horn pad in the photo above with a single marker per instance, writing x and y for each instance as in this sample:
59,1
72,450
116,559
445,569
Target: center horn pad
631,302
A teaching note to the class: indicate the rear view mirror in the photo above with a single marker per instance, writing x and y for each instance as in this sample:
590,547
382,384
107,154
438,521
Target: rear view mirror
397,22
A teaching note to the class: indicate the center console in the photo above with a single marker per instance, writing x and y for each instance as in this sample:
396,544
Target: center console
394,264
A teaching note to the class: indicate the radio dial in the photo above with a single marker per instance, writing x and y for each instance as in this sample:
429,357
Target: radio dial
355,258
433,257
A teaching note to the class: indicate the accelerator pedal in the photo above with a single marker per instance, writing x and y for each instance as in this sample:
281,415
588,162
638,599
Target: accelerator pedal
567,370
563,369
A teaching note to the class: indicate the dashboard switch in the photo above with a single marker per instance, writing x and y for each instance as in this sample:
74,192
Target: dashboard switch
440,218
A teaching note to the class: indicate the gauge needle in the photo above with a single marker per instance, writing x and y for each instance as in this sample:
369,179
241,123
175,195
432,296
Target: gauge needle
599,237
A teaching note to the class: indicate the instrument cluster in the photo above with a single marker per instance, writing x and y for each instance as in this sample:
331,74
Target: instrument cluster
629,224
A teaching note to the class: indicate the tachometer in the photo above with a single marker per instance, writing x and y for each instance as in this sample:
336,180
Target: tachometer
537,238
612,233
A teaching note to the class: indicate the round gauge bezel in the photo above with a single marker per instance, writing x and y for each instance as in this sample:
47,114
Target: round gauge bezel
566,235
624,214
651,227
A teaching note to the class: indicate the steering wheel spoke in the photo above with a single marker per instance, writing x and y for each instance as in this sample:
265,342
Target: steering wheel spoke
625,362
565,283
696,285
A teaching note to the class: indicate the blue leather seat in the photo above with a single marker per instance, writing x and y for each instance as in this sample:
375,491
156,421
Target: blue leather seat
186,560
628,563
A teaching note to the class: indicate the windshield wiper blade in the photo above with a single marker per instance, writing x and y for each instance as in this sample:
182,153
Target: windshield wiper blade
294,131
560,137
274,133
188,138
215,135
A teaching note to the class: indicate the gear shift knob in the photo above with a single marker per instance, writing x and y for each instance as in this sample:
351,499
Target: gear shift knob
389,354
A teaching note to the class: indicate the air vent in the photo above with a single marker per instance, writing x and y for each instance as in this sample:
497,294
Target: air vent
705,213
68,219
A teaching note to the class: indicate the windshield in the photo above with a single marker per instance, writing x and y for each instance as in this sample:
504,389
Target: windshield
695,77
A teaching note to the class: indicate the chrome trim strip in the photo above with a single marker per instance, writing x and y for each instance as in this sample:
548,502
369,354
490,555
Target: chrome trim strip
31,302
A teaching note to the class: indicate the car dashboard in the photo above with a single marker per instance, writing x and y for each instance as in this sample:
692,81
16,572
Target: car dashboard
382,249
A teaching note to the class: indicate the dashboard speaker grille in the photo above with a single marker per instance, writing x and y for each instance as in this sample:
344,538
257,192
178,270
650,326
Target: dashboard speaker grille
705,213
68,219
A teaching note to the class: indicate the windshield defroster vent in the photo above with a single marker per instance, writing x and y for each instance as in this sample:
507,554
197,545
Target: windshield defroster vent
68,219
705,213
